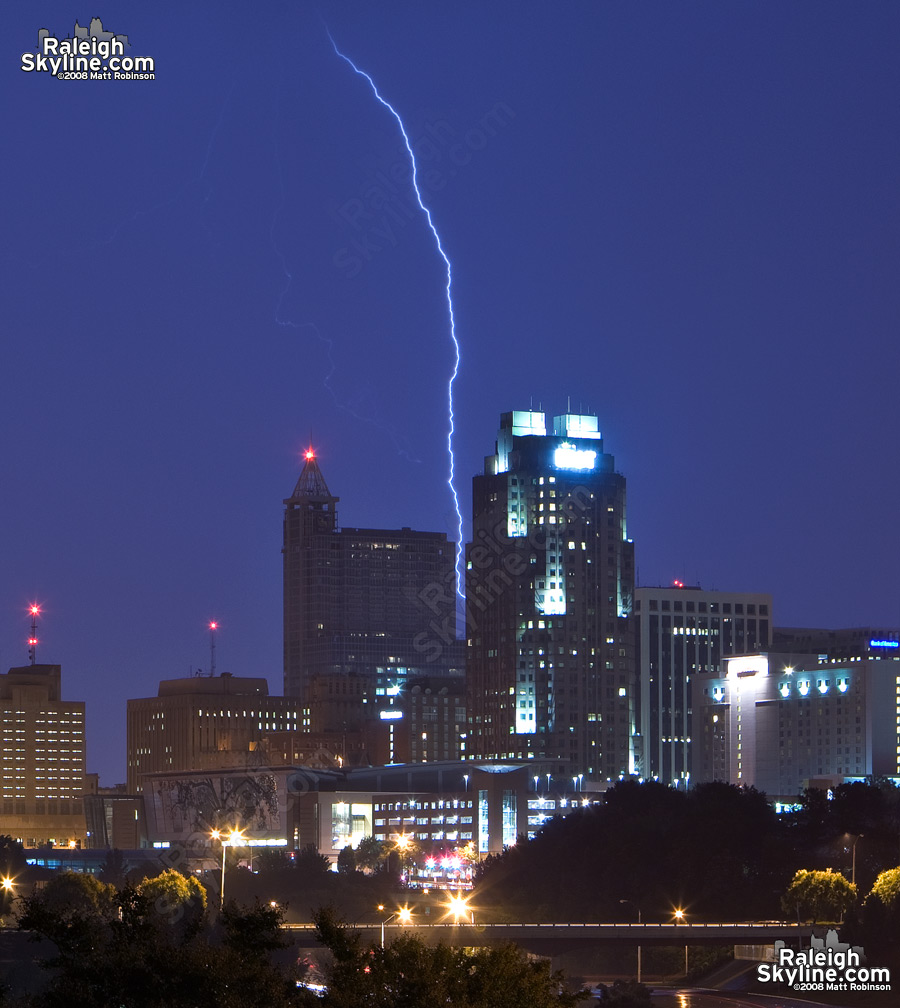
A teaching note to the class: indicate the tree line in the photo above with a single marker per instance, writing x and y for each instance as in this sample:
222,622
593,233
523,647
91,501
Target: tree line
716,852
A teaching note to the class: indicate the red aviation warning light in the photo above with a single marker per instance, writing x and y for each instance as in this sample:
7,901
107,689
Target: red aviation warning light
213,625
34,609
309,454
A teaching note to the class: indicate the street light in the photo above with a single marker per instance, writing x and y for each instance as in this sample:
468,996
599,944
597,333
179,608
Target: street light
636,907
679,919
404,913
459,907
856,840
233,838
403,843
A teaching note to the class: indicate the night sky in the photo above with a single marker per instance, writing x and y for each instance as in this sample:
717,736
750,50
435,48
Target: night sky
685,217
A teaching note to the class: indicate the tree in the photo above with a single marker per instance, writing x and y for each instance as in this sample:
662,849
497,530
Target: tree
818,895
625,994
887,888
371,853
346,862
74,896
112,871
173,901
309,862
409,973
270,859
146,959
12,857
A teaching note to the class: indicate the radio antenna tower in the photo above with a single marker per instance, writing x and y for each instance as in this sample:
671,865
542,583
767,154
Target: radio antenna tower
35,611
213,626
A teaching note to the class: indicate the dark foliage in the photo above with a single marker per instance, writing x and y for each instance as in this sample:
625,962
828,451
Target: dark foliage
714,850
407,973
123,949
718,851
624,994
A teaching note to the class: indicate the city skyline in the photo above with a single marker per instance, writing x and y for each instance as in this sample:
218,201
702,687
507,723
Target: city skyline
683,222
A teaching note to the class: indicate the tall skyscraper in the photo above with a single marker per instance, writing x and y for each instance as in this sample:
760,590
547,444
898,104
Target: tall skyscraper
549,586
683,632
372,603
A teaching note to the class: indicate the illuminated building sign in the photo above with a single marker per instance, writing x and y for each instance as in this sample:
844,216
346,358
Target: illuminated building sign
390,715
884,643
568,456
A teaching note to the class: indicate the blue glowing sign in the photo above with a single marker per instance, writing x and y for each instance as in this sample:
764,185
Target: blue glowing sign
568,456
884,643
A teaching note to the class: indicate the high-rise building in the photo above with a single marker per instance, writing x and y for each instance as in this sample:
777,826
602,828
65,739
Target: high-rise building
683,631
372,603
42,762
549,588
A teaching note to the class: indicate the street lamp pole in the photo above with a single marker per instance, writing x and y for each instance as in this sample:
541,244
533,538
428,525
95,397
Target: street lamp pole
636,907
679,917
233,839
853,863
222,886
404,913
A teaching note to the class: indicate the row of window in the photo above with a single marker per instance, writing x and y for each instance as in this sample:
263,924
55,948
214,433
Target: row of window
752,609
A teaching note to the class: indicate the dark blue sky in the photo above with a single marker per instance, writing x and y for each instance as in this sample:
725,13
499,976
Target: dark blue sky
683,216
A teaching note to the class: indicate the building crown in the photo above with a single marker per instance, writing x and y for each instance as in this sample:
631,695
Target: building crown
311,482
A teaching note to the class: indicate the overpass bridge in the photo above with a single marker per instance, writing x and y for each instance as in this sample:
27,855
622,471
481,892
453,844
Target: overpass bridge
552,939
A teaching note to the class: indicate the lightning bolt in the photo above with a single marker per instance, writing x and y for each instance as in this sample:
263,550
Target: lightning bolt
449,293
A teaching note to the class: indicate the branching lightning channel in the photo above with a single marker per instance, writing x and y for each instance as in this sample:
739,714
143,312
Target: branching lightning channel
449,292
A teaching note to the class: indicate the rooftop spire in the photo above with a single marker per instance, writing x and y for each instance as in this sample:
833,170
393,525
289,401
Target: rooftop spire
311,482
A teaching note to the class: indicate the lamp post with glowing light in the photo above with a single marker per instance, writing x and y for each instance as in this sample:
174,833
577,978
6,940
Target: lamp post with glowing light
459,907
7,886
636,907
404,913
679,919
233,838
856,840
403,844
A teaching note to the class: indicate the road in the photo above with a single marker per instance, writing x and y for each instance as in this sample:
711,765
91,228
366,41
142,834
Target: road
691,997
526,935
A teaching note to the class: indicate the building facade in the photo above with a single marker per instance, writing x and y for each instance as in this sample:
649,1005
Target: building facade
42,758
780,722
204,721
681,632
360,603
839,645
442,806
549,588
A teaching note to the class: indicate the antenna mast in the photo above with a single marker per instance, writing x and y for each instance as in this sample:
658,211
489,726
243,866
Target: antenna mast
35,610
213,626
